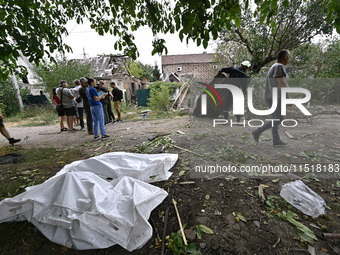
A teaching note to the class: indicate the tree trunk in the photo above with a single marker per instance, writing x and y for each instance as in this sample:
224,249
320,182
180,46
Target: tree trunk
17,92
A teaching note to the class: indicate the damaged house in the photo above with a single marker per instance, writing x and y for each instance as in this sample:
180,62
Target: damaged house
176,67
113,69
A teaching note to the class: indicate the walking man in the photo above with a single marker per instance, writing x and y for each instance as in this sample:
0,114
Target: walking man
276,78
4,131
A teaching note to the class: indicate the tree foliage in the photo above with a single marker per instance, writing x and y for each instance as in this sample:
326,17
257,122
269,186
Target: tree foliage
320,60
8,100
293,25
140,70
156,73
161,94
51,74
36,27
136,69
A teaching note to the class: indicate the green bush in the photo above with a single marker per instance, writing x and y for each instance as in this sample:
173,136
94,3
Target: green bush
172,86
160,99
8,100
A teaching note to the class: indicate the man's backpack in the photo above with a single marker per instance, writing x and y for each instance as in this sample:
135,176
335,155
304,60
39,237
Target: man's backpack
120,94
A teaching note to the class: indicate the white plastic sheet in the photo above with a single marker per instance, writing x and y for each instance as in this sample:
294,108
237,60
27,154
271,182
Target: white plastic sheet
303,198
80,209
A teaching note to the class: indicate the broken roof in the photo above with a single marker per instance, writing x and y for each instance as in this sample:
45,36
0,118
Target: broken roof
106,65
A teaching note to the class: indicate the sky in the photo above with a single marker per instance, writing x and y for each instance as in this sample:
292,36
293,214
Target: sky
83,37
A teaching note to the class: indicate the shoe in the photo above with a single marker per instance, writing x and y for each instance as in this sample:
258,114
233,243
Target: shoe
96,137
91,133
280,143
82,129
114,121
73,130
104,137
13,141
256,136
119,121
63,129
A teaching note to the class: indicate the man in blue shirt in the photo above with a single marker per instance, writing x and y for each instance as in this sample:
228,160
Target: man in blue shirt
96,109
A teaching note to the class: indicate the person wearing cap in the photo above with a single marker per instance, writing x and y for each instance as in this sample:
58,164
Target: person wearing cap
66,99
239,78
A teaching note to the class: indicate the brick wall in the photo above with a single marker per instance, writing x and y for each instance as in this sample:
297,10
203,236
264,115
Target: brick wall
203,70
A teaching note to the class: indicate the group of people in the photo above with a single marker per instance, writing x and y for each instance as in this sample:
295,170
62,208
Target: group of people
95,100
277,77
91,98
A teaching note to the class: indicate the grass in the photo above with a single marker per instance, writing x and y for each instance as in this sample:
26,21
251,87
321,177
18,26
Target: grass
38,165
46,115
34,116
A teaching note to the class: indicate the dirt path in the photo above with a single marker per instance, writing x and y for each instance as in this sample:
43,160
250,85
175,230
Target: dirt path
125,133
212,201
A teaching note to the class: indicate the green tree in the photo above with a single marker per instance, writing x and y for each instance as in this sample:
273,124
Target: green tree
140,70
320,60
8,101
156,72
136,68
51,74
36,27
293,25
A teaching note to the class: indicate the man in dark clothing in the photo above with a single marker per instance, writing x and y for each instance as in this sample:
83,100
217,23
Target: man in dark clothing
239,78
117,98
106,103
86,104
109,107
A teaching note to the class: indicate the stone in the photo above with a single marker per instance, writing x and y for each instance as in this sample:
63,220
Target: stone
190,234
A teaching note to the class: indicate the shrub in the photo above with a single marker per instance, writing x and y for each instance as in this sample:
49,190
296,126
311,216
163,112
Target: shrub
8,100
160,99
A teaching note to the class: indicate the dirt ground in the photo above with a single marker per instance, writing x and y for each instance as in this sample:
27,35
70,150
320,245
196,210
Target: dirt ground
211,200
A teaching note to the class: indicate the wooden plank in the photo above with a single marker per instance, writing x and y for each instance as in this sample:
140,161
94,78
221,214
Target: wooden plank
290,136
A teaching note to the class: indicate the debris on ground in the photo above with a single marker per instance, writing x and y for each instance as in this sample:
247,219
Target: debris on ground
303,198
10,158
